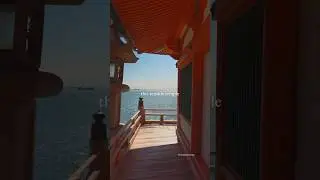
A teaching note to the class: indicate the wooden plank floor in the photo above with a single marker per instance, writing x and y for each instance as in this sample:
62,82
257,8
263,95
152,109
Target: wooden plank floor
153,156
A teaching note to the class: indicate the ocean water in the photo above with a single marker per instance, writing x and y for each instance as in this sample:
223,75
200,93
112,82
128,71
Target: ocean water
63,126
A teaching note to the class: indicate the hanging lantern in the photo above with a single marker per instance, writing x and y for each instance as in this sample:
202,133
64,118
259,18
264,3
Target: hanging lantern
112,70
116,72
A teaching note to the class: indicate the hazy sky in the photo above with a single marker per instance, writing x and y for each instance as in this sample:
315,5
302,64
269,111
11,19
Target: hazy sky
152,72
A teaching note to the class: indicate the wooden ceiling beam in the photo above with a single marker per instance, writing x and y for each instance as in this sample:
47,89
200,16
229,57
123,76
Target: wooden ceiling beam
50,2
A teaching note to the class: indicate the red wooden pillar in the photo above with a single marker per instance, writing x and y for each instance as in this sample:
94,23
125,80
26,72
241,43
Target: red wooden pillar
197,102
278,94
114,105
18,105
115,95
200,47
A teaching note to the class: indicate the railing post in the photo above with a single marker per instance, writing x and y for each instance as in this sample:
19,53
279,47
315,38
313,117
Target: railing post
161,119
99,145
142,110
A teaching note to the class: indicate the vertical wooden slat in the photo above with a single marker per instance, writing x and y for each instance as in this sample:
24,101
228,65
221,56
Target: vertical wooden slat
239,56
220,112
229,10
278,98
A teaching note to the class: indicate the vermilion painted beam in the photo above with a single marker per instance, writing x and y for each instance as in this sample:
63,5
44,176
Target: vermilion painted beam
154,23
197,103
201,41
186,58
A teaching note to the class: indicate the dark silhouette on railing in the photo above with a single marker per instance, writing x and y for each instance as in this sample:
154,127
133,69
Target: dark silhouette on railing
97,167
98,132
141,109
161,119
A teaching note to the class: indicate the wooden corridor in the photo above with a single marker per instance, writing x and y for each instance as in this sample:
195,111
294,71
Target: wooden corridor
153,155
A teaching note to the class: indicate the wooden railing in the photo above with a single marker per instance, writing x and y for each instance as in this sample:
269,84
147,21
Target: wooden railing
83,172
96,167
162,113
121,142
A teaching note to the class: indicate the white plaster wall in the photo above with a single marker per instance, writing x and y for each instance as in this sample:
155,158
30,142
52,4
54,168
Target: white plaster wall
308,106
209,115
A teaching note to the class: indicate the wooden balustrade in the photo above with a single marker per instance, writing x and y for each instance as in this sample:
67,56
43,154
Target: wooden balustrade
94,175
123,139
161,112
125,133
121,142
82,172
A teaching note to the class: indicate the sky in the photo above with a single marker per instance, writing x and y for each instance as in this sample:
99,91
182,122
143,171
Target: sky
76,48
151,72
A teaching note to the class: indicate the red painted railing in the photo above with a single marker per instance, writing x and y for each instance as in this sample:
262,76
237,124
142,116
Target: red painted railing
121,142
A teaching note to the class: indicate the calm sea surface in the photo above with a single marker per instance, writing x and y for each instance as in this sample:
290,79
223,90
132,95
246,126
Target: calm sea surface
63,124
